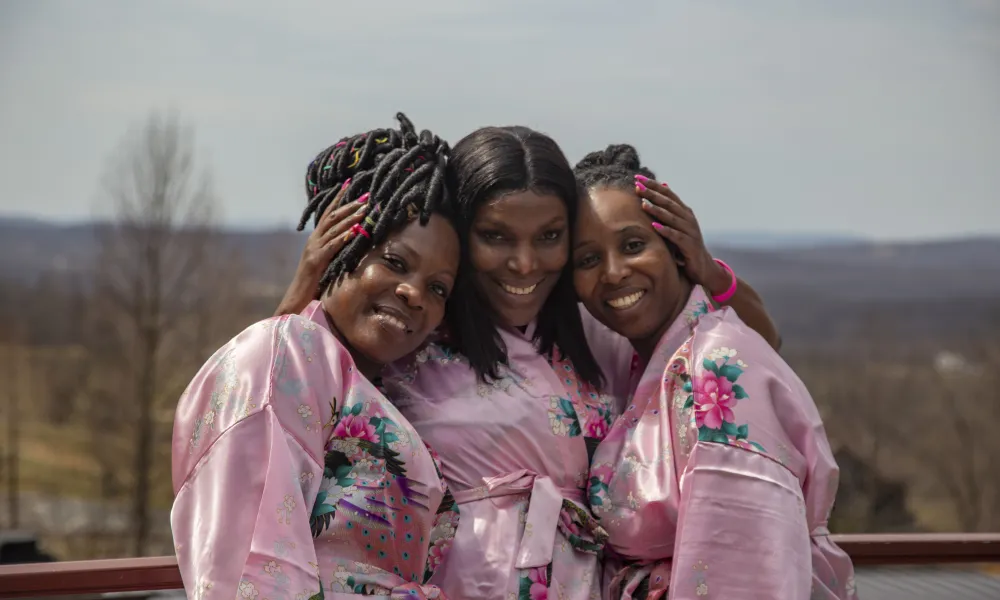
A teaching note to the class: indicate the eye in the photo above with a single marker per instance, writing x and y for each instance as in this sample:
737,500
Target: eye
633,246
440,290
587,261
551,236
395,263
491,236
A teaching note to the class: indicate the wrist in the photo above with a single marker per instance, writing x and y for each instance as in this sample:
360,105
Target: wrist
727,294
718,280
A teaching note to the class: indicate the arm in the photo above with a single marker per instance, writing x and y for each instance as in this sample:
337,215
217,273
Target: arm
241,521
741,528
248,443
332,233
746,302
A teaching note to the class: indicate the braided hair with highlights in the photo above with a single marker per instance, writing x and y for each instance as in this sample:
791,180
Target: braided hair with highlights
614,167
402,172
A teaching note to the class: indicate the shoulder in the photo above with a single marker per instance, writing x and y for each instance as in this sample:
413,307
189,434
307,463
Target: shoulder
743,394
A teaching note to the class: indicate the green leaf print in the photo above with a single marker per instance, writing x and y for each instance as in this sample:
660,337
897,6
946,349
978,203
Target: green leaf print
729,428
357,408
710,366
730,372
739,392
742,432
689,402
524,590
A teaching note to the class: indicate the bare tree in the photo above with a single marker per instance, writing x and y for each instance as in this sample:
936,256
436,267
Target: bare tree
149,272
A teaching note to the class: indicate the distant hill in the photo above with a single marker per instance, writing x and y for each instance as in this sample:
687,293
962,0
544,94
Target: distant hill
824,289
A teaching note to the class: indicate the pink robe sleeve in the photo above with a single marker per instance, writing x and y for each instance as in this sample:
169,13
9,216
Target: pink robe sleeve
248,442
758,485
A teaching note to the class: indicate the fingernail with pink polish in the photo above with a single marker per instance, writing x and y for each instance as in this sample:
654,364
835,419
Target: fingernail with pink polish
363,198
639,187
657,226
641,177
346,183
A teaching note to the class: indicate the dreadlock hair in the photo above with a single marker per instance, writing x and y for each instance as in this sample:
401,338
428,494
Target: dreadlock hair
615,168
401,170
486,164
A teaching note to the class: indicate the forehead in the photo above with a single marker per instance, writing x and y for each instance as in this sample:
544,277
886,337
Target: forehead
610,209
522,210
436,243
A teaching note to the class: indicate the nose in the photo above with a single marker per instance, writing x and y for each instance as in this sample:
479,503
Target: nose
523,261
616,270
410,294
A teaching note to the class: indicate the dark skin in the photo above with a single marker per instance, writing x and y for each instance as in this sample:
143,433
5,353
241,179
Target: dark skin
623,271
677,223
518,247
521,238
388,306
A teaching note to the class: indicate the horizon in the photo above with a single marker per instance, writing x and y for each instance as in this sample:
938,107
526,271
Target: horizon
747,239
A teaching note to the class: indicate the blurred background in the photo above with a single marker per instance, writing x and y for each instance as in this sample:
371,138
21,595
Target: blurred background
842,157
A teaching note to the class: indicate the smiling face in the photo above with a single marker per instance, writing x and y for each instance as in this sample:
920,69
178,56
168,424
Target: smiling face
623,271
387,307
518,247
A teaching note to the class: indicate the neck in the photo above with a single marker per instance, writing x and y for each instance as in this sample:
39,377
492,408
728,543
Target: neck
366,366
645,345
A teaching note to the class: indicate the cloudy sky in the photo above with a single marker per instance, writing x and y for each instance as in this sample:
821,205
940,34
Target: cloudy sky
874,117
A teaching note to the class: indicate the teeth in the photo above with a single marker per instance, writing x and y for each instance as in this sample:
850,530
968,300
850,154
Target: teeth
627,301
518,291
391,320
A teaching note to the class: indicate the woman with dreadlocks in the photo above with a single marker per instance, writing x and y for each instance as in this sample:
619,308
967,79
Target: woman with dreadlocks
523,384
294,476
718,479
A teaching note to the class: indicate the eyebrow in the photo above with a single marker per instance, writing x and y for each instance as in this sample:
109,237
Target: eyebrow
499,225
623,230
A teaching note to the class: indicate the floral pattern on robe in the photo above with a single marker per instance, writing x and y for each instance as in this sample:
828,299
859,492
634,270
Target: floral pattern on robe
717,480
296,479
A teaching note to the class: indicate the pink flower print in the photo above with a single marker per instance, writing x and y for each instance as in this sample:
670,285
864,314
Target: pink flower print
539,584
602,472
358,427
596,427
714,400
438,551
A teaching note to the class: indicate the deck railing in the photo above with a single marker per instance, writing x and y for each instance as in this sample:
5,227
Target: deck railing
160,573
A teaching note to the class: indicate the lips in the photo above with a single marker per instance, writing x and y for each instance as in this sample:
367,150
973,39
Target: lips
393,318
625,299
519,290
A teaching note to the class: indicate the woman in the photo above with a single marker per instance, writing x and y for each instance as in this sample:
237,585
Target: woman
718,480
294,476
511,394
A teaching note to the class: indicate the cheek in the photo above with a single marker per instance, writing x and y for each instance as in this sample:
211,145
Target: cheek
554,258
583,282
483,257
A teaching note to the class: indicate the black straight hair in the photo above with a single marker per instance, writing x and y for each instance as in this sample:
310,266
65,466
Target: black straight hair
485,165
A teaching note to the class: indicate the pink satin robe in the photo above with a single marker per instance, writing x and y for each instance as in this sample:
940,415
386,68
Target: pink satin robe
717,480
515,456
292,473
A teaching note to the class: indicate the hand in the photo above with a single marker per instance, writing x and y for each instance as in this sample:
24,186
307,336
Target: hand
676,222
330,236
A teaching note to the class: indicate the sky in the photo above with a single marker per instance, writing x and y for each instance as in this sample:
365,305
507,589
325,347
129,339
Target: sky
875,118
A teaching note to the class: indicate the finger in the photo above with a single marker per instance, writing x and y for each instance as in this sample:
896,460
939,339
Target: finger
679,238
334,212
343,226
670,218
663,189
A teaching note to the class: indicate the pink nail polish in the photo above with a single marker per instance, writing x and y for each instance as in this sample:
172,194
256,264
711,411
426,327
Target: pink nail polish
657,226
639,187
363,198
641,177
346,183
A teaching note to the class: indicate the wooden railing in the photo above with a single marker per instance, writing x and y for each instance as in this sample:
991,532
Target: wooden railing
160,573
